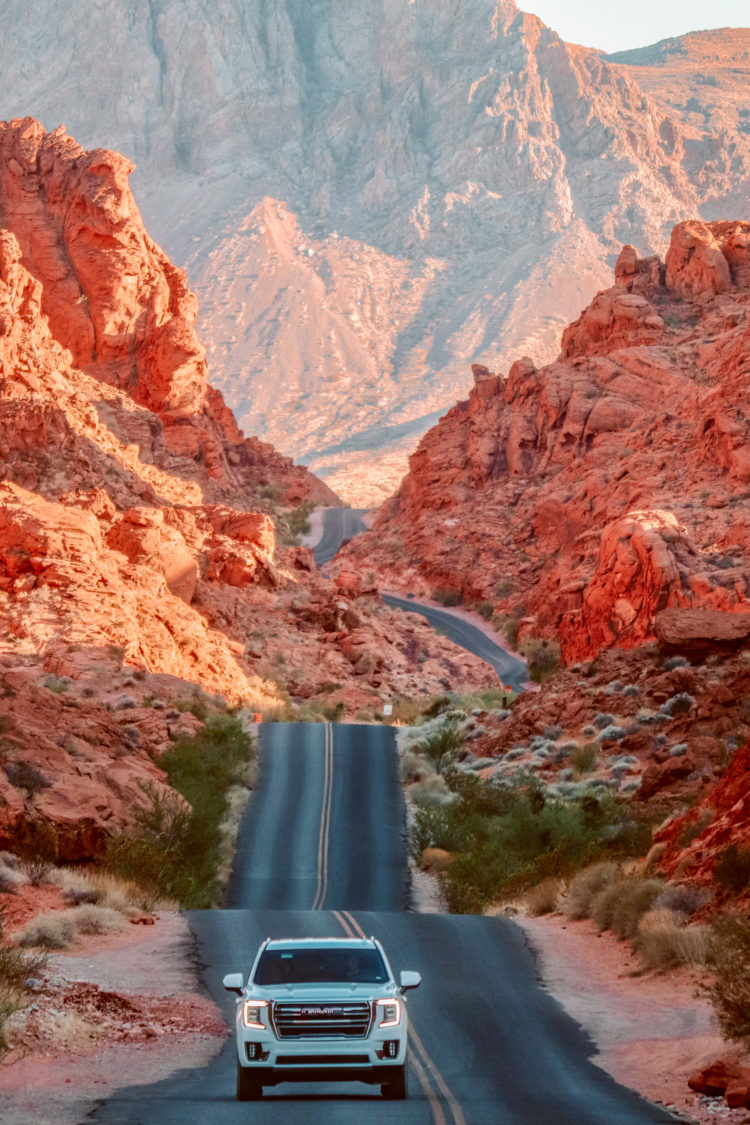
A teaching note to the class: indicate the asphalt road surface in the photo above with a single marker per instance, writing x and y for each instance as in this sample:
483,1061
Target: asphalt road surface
339,524
326,823
344,523
488,1046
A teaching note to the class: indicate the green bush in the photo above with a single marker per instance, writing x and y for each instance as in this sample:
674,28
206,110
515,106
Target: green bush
509,837
730,991
16,968
174,849
542,656
732,869
485,609
583,759
448,597
435,745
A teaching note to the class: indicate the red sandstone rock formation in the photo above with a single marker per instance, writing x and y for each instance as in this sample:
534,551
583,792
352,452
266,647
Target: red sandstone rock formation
604,487
133,554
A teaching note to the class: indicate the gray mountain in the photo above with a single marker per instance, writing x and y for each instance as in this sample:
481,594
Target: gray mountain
369,195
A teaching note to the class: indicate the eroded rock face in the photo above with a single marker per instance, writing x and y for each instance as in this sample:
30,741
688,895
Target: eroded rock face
133,549
586,496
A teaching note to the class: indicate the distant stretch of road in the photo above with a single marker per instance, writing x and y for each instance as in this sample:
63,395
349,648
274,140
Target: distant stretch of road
314,838
339,524
344,523
487,1045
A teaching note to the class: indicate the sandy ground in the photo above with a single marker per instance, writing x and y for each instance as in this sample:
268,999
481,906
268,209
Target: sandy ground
64,1060
652,1031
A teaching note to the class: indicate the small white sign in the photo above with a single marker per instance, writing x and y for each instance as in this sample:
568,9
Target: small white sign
387,709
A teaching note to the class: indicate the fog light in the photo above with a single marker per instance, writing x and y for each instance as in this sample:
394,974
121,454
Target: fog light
253,1051
390,1048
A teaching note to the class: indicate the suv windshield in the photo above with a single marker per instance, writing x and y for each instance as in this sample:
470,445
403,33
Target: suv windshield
311,966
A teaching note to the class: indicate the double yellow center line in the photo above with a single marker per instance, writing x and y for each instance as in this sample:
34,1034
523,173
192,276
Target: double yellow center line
443,1104
325,819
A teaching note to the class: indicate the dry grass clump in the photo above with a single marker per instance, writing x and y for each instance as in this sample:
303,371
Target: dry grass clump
102,888
621,905
47,931
730,992
431,792
586,885
11,875
91,919
544,898
664,940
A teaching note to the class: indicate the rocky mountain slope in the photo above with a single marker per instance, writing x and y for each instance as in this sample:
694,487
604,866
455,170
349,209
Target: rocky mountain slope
601,502
370,200
587,495
139,562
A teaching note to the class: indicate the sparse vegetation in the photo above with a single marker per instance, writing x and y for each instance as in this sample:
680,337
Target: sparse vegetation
730,991
663,940
448,597
732,869
584,758
586,885
176,848
507,837
16,968
542,656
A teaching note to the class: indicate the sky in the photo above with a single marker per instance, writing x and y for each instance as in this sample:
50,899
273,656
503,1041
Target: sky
635,23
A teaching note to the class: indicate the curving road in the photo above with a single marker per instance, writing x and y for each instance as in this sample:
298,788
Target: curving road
489,1046
344,523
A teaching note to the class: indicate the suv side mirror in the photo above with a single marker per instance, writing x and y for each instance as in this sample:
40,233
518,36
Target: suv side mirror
233,982
410,980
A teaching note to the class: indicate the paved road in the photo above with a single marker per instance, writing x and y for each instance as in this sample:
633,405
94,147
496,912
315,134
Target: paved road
343,523
509,668
315,836
489,1046
338,524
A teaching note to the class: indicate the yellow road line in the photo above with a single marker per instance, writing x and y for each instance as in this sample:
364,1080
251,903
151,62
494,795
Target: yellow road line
325,820
343,923
420,1051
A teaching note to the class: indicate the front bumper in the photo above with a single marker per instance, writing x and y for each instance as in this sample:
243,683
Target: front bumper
335,1059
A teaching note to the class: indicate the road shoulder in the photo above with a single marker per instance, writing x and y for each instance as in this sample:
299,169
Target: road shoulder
125,1004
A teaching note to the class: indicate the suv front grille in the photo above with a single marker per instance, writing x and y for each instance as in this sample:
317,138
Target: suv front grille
321,1021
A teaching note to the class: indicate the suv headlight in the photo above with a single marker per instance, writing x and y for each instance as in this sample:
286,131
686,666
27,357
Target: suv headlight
387,1013
253,1013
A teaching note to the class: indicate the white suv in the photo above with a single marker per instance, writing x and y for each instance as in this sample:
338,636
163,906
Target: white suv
321,1009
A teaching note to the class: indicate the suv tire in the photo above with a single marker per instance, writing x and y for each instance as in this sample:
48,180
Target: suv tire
395,1088
249,1088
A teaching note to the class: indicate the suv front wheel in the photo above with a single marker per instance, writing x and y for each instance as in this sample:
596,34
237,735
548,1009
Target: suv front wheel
394,1088
249,1088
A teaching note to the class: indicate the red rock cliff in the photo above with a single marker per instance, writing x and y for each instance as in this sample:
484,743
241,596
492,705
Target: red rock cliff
609,485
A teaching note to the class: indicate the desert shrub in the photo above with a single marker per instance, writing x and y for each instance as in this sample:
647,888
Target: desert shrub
542,656
612,733
485,609
16,968
553,732
298,520
509,836
47,931
682,899
679,704
446,739
197,706
413,767
431,791
693,830
447,597
24,775
673,662
510,631
586,885
603,719
663,941
89,918
176,849
730,991
621,905
583,759
544,898
732,868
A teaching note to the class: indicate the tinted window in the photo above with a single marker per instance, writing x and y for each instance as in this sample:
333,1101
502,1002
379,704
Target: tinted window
310,966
